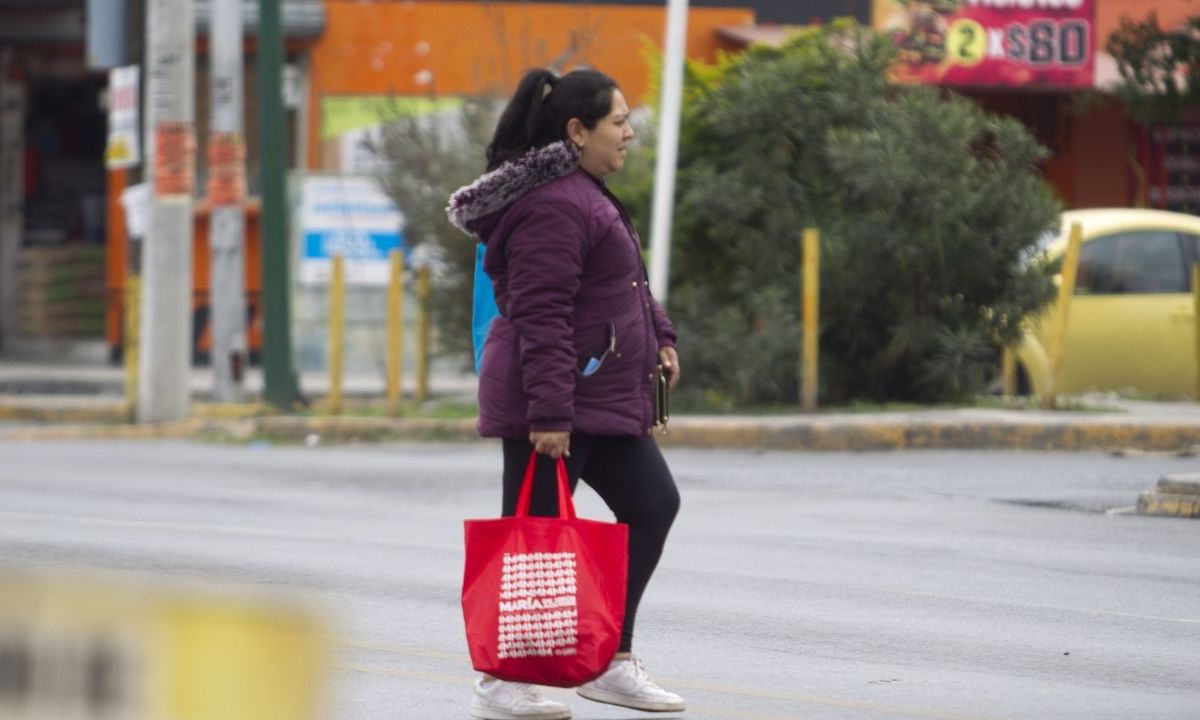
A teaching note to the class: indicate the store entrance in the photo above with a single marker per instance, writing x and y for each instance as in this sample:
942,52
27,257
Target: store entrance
61,261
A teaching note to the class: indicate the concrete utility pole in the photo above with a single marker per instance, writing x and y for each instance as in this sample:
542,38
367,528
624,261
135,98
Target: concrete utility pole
12,188
166,328
226,192
280,387
669,109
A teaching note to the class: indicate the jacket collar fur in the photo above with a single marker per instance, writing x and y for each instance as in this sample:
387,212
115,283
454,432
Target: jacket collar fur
496,190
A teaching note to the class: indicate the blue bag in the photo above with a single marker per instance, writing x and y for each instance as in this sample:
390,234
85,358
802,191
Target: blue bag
484,306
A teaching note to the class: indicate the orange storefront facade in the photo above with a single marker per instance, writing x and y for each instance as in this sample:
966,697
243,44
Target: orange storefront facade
454,49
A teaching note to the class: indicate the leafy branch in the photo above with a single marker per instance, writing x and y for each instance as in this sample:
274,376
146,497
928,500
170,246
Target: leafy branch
1159,69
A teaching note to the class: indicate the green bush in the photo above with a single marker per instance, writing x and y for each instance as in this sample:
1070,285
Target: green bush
929,211
430,155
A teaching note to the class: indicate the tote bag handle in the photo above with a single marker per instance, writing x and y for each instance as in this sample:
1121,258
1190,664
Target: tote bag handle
566,506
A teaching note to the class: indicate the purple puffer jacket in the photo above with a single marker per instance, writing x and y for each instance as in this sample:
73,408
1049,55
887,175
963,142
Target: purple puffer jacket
567,269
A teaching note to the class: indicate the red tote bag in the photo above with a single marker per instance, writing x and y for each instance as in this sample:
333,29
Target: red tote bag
544,597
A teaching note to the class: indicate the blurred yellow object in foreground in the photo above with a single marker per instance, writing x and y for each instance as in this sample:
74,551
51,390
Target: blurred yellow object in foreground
79,650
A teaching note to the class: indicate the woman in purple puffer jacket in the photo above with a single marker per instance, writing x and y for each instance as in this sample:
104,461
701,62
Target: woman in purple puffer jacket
568,368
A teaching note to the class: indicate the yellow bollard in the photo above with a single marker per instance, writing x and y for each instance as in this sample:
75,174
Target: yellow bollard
811,284
1066,289
1196,311
80,649
133,299
423,334
1008,372
395,358
235,661
337,329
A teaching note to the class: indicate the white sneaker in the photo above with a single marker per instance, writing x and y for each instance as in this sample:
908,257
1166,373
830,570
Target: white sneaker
501,700
626,683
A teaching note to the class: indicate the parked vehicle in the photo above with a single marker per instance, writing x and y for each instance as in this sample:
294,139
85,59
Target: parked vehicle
1131,324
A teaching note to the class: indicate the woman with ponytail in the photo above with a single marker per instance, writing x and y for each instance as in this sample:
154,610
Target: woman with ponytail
569,366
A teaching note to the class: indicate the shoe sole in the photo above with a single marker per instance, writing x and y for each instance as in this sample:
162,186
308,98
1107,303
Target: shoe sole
612,698
490,714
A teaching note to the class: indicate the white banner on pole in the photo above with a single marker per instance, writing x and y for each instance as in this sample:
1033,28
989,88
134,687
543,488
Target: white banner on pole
124,148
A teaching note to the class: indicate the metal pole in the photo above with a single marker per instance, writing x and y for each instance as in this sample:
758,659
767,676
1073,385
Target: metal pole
1062,310
226,193
395,358
280,387
12,187
166,315
1196,319
133,294
423,310
337,333
1008,372
117,245
812,318
667,157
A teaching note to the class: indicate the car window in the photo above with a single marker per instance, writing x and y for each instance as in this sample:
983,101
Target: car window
1194,242
1134,262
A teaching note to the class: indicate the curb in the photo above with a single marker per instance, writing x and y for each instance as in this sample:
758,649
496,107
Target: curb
176,430
360,429
242,423
99,413
1175,496
934,435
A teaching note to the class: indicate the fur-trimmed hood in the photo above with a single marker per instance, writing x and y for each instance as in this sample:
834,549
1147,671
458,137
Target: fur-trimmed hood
471,207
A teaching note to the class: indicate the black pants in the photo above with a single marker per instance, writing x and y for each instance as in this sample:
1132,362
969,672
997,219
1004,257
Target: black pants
630,475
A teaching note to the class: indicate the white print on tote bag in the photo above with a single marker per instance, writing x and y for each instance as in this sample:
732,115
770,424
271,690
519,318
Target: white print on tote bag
538,615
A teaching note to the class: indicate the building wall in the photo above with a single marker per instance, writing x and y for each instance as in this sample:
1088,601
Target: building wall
464,47
469,48
1170,14
782,12
1102,152
1094,151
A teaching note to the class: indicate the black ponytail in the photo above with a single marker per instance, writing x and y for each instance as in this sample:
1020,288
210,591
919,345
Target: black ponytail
538,113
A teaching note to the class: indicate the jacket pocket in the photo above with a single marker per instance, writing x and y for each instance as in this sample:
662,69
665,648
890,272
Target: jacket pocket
595,345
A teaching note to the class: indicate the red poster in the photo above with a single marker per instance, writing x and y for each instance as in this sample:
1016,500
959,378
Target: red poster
226,169
991,43
174,158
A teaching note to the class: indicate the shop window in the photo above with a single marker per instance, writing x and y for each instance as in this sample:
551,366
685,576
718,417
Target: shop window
1132,263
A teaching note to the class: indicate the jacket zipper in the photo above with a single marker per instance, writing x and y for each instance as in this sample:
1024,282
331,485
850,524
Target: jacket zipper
651,323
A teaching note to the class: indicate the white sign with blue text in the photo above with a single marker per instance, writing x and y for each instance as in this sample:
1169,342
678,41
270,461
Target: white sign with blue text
352,217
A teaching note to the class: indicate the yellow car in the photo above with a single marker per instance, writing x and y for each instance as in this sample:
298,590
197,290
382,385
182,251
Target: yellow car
1131,325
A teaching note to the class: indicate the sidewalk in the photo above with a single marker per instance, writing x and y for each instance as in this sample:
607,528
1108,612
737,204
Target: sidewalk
48,401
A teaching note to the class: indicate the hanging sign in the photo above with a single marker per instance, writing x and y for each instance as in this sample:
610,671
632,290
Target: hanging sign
124,150
991,43
348,216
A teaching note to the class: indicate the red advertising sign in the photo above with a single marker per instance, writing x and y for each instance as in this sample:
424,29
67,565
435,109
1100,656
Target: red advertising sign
991,43
1167,176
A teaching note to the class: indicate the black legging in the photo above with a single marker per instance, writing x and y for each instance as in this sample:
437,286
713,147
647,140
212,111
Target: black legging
630,475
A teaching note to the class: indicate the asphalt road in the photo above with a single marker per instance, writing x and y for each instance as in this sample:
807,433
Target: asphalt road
898,585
